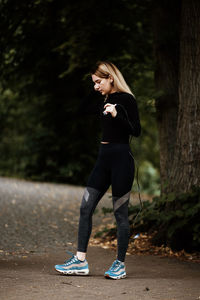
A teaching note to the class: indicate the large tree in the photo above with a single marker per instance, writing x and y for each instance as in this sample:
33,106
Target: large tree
186,163
177,49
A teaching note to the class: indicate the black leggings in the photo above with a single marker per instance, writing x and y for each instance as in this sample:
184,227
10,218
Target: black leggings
114,166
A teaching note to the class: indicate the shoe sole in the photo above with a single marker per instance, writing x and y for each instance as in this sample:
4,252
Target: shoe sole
116,277
74,272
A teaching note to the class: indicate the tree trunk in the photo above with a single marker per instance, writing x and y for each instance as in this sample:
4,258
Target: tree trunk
166,17
178,109
186,164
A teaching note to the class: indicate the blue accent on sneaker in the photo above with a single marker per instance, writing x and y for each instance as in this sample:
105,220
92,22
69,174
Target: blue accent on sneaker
116,271
73,266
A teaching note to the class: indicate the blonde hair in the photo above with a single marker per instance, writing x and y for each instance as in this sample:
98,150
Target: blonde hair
105,69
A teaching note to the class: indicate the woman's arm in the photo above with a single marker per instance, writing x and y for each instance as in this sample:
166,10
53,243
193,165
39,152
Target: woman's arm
126,111
127,114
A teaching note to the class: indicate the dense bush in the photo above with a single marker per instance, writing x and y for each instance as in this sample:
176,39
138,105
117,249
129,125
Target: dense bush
176,217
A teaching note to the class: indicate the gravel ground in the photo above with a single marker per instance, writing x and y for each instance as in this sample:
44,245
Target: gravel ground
39,222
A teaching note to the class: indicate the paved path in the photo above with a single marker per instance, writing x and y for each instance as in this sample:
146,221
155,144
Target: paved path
36,216
39,221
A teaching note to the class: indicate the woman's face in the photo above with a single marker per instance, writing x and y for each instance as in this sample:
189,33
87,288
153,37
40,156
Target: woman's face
103,85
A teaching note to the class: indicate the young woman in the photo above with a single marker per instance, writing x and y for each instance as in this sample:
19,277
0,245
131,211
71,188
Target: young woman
114,166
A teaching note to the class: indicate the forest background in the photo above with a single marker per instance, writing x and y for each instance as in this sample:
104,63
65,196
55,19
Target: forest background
47,49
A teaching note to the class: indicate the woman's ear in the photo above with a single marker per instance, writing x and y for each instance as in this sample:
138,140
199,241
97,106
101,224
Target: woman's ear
111,78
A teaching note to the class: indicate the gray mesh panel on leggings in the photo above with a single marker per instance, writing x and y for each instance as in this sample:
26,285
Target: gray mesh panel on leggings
91,194
119,201
120,206
90,200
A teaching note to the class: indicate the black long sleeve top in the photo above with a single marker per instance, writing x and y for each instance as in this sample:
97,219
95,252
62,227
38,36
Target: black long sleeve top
118,129
127,122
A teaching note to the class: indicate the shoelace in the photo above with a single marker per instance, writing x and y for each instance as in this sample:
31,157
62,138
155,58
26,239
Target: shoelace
115,265
71,259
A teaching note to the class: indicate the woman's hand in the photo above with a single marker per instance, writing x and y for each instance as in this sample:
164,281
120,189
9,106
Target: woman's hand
110,108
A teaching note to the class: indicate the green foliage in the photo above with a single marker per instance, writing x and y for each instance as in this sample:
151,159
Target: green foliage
146,148
47,49
109,232
106,210
176,218
149,178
